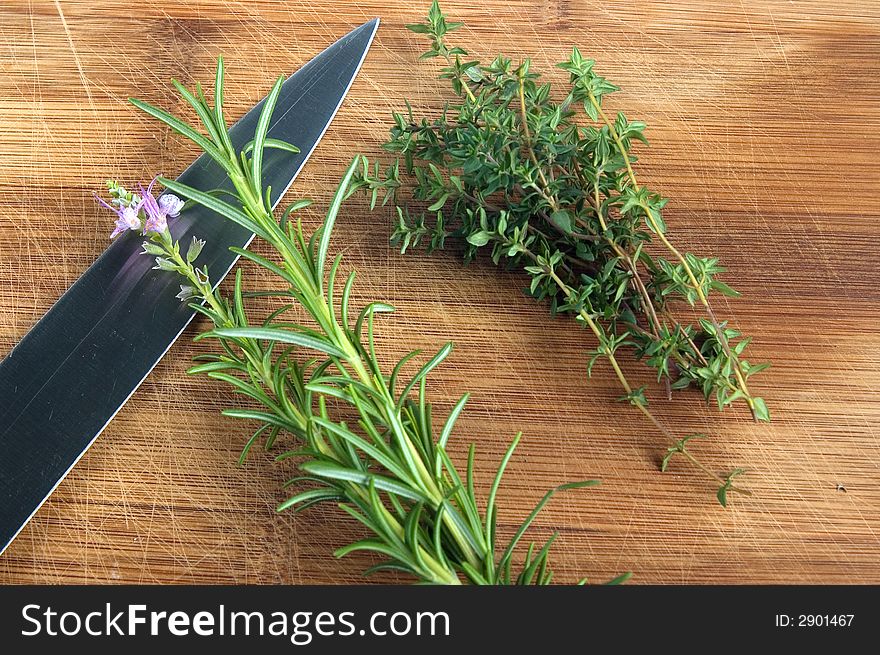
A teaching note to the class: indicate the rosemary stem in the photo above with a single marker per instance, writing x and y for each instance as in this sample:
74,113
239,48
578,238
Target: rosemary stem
442,574
387,407
206,293
389,410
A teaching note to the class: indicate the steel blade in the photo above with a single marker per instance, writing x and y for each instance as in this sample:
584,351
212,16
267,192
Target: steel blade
66,379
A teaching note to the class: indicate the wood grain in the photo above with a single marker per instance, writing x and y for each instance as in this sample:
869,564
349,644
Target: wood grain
763,118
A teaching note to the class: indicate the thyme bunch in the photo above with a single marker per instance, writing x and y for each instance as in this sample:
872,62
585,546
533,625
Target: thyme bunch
389,470
550,187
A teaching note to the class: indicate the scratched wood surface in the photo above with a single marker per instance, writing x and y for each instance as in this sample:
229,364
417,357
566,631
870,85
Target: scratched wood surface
764,121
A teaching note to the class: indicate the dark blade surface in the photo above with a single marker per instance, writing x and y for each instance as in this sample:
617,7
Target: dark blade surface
71,373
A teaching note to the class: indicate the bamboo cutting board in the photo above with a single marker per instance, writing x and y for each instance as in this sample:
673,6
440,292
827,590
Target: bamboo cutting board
763,118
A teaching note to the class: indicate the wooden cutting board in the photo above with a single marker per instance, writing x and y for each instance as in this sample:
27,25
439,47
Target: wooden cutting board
764,119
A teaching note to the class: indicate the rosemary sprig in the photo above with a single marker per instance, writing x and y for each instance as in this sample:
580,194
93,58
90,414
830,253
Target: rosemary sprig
507,169
390,471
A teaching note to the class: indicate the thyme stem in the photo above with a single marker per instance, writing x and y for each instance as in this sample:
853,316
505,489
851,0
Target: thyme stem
698,288
624,382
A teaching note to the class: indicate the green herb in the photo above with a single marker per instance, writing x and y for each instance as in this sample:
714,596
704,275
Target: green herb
390,470
550,187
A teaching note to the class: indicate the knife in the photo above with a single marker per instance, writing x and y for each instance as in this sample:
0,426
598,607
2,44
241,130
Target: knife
74,370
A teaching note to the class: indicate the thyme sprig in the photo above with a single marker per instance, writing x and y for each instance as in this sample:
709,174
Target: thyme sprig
550,188
390,469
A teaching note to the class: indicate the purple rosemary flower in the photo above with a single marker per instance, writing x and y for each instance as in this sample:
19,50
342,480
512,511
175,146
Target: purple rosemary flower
158,212
127,217
156,217
170,204
135,212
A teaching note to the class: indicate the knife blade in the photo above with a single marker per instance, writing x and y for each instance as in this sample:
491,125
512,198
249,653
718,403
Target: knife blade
74,370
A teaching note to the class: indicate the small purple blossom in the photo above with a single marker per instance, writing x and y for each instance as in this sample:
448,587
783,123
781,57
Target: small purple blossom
127,217
156,217
136,212
170,204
